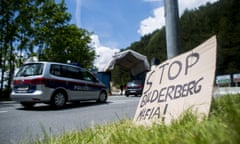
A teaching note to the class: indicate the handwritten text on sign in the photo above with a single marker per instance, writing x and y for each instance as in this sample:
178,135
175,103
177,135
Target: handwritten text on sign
178,84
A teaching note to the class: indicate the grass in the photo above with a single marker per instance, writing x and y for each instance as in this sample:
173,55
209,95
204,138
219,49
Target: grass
221,127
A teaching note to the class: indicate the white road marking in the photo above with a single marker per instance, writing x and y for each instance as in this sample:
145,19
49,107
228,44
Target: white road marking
3,111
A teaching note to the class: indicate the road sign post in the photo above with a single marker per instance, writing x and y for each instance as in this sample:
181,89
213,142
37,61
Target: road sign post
172,27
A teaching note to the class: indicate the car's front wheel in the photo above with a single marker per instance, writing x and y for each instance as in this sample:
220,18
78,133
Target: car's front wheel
102,97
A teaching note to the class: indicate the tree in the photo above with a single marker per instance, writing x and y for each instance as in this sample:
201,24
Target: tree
8,32
71,43
220,18
49,18
120,76
156,47
36,27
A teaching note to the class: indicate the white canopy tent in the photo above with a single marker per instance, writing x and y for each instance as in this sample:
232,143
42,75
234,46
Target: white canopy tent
130,61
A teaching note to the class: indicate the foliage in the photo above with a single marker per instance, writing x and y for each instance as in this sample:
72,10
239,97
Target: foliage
222,126
120,76
71,43
220,18
204,22
40,28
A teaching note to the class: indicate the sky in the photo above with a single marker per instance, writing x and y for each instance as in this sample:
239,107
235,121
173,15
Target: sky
116,24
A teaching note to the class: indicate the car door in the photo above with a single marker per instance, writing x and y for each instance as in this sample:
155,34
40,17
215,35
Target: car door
75,86
93,87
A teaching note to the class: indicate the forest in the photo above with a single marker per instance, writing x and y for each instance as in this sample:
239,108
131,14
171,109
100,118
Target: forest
221,18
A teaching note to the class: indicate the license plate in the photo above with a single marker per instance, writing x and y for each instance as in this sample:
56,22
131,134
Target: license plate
22,88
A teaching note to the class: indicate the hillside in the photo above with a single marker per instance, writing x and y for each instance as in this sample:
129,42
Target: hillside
220,18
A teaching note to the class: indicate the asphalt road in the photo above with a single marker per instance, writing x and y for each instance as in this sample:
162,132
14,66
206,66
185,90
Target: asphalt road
21,125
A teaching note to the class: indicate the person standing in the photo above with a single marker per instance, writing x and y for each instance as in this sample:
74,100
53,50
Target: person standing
121,88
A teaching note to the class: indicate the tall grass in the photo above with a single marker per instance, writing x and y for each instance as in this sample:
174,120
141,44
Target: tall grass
221,127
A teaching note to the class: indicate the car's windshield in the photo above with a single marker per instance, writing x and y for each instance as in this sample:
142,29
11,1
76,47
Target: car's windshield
133,83
30,70
130,83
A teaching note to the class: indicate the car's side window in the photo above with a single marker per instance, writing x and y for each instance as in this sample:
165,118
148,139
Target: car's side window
66,71
30,70
87,76
55,70
71,72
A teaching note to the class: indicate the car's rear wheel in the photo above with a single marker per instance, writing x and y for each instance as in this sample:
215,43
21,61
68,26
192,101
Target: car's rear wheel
59,99
102,97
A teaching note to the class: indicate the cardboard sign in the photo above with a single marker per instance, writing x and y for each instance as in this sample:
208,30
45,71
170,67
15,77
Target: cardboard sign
178,84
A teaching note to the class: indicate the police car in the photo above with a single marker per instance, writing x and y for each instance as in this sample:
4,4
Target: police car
55,84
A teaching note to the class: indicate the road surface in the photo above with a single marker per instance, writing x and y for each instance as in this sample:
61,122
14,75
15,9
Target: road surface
21,125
